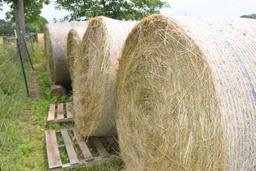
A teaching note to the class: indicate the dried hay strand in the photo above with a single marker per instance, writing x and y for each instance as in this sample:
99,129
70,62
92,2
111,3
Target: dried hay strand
95,75
55,36
74,42
186,95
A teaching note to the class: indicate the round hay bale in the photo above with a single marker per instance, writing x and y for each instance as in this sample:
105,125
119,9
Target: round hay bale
74,41
186,95
95,75
55,36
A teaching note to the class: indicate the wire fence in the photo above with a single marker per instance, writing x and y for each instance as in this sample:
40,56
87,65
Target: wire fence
12,100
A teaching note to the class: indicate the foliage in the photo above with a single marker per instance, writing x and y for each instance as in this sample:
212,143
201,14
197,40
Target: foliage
37,25
6,28
32,10
1,5
252,16
118,9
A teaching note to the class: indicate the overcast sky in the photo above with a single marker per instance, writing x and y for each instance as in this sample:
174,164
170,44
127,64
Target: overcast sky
229,8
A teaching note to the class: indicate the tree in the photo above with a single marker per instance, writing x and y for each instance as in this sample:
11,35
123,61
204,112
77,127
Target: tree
19,9
6,28
1,6
252,16
37,25
32,10
118,9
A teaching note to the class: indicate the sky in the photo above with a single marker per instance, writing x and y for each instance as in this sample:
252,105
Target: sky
226,8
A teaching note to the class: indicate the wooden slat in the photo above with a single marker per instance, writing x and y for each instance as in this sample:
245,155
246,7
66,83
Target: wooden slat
69,110
100,148
63,120
69,147
51,113
85,150
60,111
53,153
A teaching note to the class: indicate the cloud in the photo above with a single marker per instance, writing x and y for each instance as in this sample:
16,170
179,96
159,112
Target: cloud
211,7
5,8
178,7
49,12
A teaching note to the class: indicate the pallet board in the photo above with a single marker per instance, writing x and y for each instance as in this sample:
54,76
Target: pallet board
80,152
61,112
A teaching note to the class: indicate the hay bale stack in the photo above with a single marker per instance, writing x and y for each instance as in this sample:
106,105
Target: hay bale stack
186,95
55,51
94,78
74,41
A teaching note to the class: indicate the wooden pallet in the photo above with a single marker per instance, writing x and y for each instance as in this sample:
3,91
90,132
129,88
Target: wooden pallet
61,112
80,153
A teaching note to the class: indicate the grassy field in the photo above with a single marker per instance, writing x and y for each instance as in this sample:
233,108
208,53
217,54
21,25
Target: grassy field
1,41
22,120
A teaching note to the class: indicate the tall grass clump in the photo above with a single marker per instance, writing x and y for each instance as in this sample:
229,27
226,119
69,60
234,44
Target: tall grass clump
12,99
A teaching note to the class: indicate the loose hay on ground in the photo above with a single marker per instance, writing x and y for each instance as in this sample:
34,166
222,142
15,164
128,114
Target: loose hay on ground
186,95
95,75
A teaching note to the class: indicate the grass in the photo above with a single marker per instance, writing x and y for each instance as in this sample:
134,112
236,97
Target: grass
22,120
1,40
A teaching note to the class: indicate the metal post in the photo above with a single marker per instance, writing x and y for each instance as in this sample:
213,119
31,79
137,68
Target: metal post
21,61
29,57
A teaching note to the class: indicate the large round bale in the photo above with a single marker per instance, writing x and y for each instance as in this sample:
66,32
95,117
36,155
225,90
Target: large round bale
95,75
55,51
186,95
74,42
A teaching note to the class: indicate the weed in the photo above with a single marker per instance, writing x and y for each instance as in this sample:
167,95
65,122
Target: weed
22,120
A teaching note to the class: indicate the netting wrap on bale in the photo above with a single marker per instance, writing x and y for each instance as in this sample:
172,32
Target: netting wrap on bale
186,95
55,36
95,75
74,41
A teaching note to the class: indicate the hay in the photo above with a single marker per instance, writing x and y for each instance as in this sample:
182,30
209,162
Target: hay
186,95
40,37
74,41
55,51
95,74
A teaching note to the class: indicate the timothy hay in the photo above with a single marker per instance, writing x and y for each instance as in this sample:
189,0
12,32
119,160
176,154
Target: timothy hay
55,51
186,95
74,41
95,75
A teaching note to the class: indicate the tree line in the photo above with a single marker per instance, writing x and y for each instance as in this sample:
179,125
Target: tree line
252,16
28,11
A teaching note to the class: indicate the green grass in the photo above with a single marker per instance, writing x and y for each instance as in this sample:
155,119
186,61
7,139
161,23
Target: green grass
23,121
